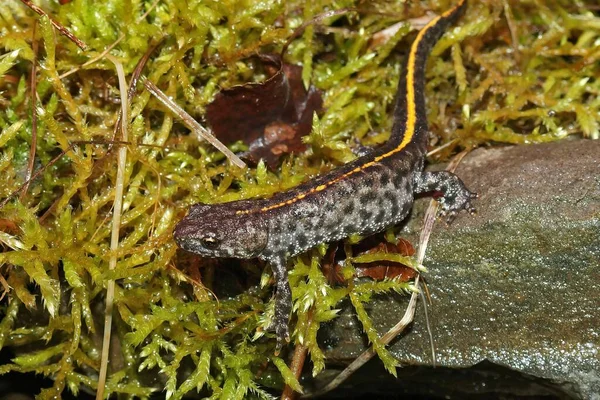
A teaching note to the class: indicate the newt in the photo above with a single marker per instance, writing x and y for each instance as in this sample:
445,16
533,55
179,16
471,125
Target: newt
365,196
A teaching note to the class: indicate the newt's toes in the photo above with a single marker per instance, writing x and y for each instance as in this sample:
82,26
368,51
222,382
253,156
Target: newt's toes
282,331
283,336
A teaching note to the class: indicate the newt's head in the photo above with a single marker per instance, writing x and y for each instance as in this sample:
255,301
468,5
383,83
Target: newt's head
215,230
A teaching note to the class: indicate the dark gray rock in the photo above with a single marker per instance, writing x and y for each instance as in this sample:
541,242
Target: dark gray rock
515,289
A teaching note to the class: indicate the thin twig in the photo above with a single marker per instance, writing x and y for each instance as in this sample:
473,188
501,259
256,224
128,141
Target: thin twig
33,94
93,60
191,123
440,148
135,76
296,366
383,36
5,286
297,363
512,27
56,24
116,225
117,142
144,15
428,324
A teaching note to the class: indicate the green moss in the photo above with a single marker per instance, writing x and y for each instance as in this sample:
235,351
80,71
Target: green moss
481,88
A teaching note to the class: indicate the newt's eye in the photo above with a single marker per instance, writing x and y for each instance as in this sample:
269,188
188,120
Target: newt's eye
210,242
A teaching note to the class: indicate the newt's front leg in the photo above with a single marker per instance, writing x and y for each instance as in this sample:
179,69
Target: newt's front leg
283,301
455,196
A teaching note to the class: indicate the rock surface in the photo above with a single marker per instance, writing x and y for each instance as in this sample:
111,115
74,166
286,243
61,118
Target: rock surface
515,289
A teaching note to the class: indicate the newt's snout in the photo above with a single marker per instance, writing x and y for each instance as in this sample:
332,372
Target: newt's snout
184,229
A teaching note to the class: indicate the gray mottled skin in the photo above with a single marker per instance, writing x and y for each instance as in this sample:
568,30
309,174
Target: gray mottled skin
379,195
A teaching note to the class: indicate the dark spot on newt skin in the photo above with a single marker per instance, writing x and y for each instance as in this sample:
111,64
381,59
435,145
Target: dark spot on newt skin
367,198
349,208
331,225
267,253
380,217
384,179
291,226
302,240
390,196
350,228
276,231
399,181
394,209
365,214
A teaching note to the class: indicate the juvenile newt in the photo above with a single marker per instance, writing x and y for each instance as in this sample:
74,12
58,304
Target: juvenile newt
362,197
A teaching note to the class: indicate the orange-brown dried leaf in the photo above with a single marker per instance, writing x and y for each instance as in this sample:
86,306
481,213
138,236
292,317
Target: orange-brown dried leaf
387,269
376,270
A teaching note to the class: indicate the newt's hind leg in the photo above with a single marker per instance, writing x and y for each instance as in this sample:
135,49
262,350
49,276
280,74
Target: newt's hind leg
454,195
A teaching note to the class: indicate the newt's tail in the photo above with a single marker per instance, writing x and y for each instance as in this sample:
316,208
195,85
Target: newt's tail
410,119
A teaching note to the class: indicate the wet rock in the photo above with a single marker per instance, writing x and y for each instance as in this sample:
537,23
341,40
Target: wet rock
515,289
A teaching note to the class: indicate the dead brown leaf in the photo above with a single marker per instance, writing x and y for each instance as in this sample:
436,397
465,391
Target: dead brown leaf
332,265
270,117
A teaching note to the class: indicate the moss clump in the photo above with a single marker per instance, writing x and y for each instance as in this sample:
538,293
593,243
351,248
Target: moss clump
518,74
